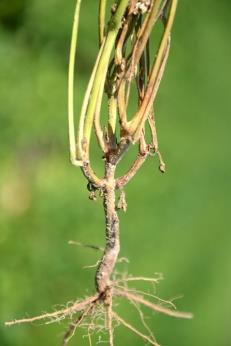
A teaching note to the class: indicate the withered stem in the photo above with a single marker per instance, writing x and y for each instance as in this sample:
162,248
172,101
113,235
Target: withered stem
112,247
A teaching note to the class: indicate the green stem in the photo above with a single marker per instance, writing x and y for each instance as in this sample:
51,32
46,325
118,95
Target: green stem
71,127
114,27
80,153
102,15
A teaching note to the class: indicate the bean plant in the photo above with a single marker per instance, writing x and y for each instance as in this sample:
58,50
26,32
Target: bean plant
127,69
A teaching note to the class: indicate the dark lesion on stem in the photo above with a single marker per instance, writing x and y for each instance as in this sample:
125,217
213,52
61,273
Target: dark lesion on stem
112,246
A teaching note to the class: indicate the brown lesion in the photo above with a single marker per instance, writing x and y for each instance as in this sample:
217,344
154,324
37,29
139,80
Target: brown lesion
112,246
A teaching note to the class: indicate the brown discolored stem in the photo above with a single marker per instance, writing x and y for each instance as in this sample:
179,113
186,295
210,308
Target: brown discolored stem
112,247
122,181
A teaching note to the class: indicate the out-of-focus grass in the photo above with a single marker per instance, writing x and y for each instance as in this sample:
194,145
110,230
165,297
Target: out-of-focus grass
177,223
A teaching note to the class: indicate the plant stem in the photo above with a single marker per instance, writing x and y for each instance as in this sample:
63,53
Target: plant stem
114,26
71,127
112,247
136,124
101,19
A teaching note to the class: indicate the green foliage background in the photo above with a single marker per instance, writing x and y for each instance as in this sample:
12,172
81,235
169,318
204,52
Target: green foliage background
177,223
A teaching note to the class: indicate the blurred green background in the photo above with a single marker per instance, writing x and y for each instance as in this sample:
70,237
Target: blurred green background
177,224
